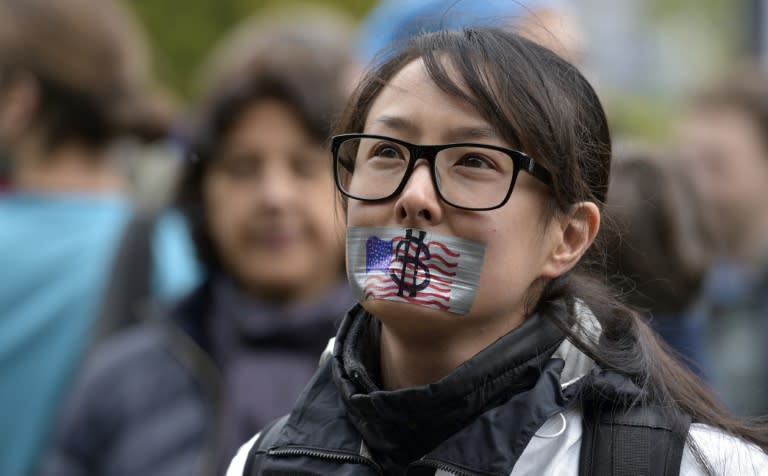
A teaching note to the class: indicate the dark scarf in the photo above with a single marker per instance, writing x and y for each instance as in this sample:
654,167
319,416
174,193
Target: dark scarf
266,353
400,426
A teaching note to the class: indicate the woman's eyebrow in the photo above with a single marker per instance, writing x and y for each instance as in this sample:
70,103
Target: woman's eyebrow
470,133
400,124
456,134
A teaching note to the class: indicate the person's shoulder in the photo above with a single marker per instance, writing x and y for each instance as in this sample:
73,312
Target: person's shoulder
115,376
130,343
726,454
133,351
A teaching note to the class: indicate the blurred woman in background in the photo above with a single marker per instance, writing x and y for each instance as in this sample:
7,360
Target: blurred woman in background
178,396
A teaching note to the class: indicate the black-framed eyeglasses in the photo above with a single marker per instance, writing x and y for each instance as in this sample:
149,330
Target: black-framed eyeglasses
469,176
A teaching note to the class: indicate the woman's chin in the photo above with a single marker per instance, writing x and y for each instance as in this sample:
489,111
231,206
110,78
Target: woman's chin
411,318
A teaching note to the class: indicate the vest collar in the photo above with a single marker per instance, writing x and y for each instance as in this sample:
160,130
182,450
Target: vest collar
505,392
405,424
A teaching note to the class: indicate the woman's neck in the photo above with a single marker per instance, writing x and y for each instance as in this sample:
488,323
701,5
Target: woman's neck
68,168
409,360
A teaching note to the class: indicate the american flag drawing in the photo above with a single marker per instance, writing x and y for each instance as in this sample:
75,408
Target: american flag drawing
414,266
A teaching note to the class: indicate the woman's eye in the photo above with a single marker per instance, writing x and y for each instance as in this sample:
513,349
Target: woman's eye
307,167
387,151
239,168
476,162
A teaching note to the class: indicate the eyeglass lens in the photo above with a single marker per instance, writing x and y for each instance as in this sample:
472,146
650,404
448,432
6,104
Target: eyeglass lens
466,176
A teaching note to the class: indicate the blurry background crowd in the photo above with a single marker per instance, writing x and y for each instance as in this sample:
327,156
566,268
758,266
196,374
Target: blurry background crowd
171,247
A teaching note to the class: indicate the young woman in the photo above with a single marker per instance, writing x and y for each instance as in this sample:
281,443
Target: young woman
178,396
474,166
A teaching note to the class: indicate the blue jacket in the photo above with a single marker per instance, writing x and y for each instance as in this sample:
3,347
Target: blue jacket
56,253
736,301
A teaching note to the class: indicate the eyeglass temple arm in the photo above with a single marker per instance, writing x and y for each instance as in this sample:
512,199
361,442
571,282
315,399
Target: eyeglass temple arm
530,166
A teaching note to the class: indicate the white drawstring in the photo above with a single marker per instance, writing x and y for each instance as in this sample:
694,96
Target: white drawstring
559,432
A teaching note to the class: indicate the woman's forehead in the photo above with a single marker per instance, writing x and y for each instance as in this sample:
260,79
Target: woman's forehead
412,100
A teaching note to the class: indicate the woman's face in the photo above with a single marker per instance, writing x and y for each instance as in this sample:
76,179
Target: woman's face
269,199
727,158
518,237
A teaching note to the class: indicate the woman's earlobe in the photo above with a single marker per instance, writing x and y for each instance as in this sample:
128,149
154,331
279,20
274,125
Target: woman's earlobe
576,233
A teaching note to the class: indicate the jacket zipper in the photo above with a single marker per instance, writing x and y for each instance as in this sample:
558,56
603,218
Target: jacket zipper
445,467
323,454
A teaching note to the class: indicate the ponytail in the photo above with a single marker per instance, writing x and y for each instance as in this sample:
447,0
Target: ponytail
629,346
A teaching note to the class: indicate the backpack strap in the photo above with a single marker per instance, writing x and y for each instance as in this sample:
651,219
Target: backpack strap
129,288
266,438
644,440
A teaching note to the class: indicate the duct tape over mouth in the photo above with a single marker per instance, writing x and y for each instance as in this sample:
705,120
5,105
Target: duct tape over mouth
414,266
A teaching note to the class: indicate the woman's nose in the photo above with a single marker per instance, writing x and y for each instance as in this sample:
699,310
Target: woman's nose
419,203
277,187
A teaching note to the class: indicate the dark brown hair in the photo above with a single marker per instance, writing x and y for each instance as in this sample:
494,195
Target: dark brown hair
745,91
542,105
294,65
91,67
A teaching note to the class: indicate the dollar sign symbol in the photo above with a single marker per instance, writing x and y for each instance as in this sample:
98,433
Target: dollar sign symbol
420,253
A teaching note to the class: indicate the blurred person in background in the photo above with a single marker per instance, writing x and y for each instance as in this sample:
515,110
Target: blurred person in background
659,247
74,78
391,22
724,137
178,396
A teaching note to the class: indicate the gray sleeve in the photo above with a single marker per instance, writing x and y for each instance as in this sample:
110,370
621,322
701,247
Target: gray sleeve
80,434
105,398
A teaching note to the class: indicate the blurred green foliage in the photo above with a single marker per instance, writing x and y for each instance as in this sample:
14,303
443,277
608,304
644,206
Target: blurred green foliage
646,117
721,9
715,37
182,32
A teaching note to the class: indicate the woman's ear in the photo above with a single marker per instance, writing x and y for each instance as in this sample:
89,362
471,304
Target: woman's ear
573,235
